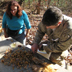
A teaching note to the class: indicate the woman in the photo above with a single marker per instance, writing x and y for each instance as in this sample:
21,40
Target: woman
14,22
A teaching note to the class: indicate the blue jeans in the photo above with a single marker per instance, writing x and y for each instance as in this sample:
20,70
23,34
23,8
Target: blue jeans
21,38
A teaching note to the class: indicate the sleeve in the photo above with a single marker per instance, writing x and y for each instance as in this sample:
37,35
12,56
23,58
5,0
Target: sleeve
4,21
26,20
39,34
60,43
57,46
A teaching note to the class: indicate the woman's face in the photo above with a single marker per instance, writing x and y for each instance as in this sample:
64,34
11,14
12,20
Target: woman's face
13,10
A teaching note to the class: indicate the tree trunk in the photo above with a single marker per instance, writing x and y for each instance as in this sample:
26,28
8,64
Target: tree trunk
38,7
70,0
20,2
29,4
23,4
48,3
58,1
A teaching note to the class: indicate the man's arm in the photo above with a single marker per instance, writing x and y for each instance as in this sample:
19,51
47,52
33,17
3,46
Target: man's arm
39,35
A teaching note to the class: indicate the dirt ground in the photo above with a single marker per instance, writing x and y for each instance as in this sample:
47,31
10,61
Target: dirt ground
34,20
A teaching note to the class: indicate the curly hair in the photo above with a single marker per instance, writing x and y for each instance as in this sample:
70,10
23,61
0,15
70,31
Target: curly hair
19,9
52,16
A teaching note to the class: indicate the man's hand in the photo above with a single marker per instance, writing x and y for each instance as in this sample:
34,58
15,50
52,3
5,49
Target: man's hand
35,47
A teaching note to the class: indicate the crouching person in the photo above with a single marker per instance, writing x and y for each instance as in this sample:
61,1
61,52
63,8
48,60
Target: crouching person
58,28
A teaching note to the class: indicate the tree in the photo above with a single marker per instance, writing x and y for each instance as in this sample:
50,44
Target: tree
20,2
38,7
48,3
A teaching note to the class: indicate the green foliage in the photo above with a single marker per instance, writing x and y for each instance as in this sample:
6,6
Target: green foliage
58,3
17,0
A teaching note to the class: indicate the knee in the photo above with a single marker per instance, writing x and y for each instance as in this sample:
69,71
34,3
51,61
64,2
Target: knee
56,60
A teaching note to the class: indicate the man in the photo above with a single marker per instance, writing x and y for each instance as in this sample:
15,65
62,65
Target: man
59,30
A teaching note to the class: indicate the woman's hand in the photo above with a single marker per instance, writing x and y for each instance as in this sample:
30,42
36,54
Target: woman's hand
27,33
5,34
35,47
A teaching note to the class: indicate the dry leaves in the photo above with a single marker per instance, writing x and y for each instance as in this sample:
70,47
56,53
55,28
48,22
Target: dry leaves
21,58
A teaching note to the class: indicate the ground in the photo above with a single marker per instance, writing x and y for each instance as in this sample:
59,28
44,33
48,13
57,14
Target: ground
34,20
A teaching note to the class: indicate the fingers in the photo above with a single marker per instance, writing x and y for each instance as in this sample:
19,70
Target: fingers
35,51
34,48
6,36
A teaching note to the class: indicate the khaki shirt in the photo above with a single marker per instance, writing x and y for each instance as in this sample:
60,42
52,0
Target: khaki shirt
58,40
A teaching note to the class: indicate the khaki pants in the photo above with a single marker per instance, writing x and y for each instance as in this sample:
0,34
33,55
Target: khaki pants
59,57
56,58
